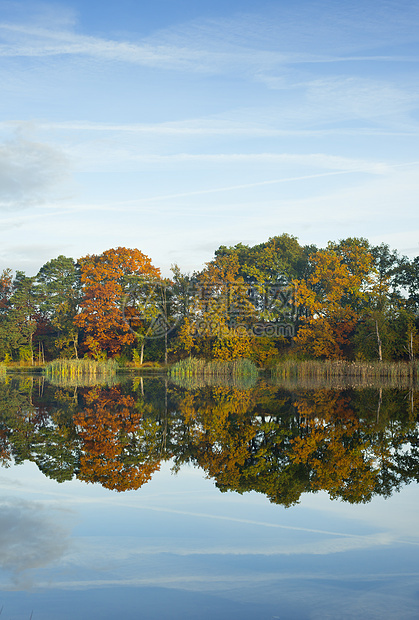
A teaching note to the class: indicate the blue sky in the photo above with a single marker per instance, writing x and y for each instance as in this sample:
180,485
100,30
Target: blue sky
177,126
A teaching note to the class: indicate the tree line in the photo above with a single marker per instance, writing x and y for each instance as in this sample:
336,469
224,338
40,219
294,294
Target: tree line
350,300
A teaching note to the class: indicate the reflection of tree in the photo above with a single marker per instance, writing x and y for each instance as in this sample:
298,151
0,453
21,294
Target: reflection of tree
237,438
283,446
33,429
354,444
107,441
118,446
338,452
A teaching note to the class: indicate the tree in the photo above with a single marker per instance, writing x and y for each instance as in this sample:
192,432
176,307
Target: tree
408,277
332,298
278,260
106,330
148,309
6,279
21,317
57,287
222,311
386,320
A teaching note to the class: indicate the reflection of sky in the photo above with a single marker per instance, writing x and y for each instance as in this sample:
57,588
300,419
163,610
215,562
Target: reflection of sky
178,548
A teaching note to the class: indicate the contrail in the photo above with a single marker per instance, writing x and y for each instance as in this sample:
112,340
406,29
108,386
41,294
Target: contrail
259,184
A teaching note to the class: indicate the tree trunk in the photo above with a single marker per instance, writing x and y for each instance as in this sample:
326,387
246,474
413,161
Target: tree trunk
411,356
31,347
379,343
75,342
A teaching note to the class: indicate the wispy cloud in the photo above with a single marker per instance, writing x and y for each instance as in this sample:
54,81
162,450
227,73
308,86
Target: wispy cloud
250,41
38,42
312,160
306,27
251,126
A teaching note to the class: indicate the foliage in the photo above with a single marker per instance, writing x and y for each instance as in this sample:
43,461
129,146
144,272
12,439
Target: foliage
103,277
57,290
350,300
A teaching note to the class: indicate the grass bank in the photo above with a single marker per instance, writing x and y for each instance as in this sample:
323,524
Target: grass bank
194,367
359,371
86,371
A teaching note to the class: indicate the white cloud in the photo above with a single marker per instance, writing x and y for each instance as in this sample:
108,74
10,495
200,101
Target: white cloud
28,172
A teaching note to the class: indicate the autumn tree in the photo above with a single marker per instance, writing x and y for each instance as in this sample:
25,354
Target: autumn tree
222,311
332,298
258,294
103,279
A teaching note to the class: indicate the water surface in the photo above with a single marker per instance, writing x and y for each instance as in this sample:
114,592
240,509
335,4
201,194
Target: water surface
148,499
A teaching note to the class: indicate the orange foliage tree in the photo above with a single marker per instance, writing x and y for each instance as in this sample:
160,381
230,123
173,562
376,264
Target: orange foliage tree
101,317
332,298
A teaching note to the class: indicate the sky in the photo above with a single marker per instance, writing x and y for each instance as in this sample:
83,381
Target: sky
177,126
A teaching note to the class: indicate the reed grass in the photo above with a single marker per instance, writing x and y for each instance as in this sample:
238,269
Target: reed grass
194,367
80,371
360,371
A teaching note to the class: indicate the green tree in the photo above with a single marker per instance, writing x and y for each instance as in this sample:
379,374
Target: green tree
57,287
21,317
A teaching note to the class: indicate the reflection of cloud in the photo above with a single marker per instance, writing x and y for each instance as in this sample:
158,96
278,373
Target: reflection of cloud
28,170
30,537
109,551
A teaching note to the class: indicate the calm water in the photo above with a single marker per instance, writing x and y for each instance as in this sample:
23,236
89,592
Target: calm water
152,500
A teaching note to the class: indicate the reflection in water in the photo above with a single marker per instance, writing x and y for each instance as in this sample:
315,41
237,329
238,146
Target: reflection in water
352,443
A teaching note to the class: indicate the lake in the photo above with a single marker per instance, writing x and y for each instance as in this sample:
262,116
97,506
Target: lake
150,499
